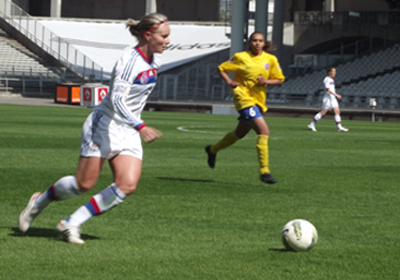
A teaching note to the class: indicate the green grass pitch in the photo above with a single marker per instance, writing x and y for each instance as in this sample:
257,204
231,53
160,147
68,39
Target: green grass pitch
187,221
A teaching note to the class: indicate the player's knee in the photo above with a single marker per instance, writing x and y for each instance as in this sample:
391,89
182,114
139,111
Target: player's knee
264,130
266,133
85,185
240,135
127,187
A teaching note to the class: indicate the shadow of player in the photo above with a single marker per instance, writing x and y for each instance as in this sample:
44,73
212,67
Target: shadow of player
45,233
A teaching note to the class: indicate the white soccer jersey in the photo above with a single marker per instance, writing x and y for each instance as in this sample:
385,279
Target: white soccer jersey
329,101
329,83
133,79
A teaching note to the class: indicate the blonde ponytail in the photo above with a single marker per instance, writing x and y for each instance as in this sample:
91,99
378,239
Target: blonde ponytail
149,22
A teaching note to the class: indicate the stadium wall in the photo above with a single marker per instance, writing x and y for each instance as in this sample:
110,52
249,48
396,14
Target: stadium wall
178,10
361,6
313,28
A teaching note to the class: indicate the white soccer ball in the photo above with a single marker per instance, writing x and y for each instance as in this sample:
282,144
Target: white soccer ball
299,235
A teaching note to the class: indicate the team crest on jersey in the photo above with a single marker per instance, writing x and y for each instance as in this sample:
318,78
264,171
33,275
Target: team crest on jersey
266,66
146,77
121,89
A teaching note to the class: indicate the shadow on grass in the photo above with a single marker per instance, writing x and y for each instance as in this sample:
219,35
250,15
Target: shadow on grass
222,183
281,250
45,233
186,180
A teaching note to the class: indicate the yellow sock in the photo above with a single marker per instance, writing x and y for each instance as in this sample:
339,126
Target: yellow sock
263,157
229,139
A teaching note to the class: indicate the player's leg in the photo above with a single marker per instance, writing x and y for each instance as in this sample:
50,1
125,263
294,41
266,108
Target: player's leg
125,159
126,170
260,126
326,105
65,188
338,119
316,118
229,139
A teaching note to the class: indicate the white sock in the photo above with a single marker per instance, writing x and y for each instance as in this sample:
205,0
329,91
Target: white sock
338,121
79,216
63,189
317,117
98,204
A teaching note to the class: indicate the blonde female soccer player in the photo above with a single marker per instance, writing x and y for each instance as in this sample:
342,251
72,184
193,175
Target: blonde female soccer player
113,132
254,70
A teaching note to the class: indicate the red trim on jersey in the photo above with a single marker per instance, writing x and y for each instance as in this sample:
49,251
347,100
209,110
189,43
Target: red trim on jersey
53,193
95,206
139,127
143,55
149,73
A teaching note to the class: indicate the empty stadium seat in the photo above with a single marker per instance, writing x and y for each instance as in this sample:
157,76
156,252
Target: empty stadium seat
374,75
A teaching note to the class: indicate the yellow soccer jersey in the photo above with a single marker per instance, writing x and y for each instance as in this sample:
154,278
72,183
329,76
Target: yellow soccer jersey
248,68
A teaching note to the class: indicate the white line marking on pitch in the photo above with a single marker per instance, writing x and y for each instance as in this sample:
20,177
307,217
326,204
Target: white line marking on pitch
190,129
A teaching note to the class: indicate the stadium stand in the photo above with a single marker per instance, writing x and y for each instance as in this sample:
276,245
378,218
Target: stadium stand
23,71
33,59
370,76
16,60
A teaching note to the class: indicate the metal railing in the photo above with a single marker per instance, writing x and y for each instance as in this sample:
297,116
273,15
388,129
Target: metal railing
54,45
201,82
39,86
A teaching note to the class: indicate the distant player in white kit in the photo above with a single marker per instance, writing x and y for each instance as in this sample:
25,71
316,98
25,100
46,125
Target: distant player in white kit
113,132
329,102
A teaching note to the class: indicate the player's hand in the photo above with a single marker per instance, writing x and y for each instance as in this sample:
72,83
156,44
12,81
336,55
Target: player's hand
262,80
234,84
339,96
150,134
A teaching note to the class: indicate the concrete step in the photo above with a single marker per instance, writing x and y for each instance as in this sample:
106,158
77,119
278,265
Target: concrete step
16,45
26,63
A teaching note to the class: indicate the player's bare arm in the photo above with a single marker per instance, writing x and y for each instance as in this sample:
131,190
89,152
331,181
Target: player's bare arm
228,80
264,81
334,93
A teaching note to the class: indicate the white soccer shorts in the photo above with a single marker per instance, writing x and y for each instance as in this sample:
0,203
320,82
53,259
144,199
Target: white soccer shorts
104,137
329,102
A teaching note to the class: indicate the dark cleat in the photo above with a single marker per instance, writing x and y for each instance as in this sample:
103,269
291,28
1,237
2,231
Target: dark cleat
211,157
267,178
